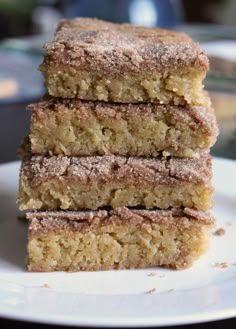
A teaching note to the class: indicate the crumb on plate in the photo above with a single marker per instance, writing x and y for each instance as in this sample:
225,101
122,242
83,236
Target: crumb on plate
151,291
220,231
221,265
45,285
152,274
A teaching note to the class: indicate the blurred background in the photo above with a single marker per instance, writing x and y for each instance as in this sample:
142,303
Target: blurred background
25,25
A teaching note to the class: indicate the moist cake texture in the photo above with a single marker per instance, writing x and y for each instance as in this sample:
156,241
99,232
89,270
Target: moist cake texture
95,60
116,239
76,128
116,169
92,182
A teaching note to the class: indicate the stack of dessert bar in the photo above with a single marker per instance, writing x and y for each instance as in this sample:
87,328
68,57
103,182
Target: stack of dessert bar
118,172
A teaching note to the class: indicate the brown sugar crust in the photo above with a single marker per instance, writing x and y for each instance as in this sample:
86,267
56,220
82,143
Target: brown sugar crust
92,44
116,239
76,128
59,182
45,221
196,116
103,169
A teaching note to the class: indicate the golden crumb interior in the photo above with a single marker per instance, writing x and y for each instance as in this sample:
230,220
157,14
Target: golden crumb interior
179,87
119,246
69,133
62,193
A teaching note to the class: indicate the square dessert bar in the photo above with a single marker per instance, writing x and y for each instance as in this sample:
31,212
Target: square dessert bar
95,60
116,239
77,128
61,182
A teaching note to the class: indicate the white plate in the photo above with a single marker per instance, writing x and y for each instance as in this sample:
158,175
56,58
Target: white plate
120,298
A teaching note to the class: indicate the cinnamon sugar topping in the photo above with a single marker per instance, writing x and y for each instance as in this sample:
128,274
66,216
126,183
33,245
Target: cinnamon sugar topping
115,168
93,44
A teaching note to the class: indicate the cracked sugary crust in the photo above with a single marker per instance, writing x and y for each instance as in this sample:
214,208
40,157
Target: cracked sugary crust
103,169
197,117
80,128
45,221
116,239
92,44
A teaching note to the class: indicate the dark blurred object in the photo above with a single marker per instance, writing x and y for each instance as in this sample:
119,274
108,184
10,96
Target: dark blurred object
15,17
14,124
161,13
207,11
219,43
225,107
221,83
20,84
